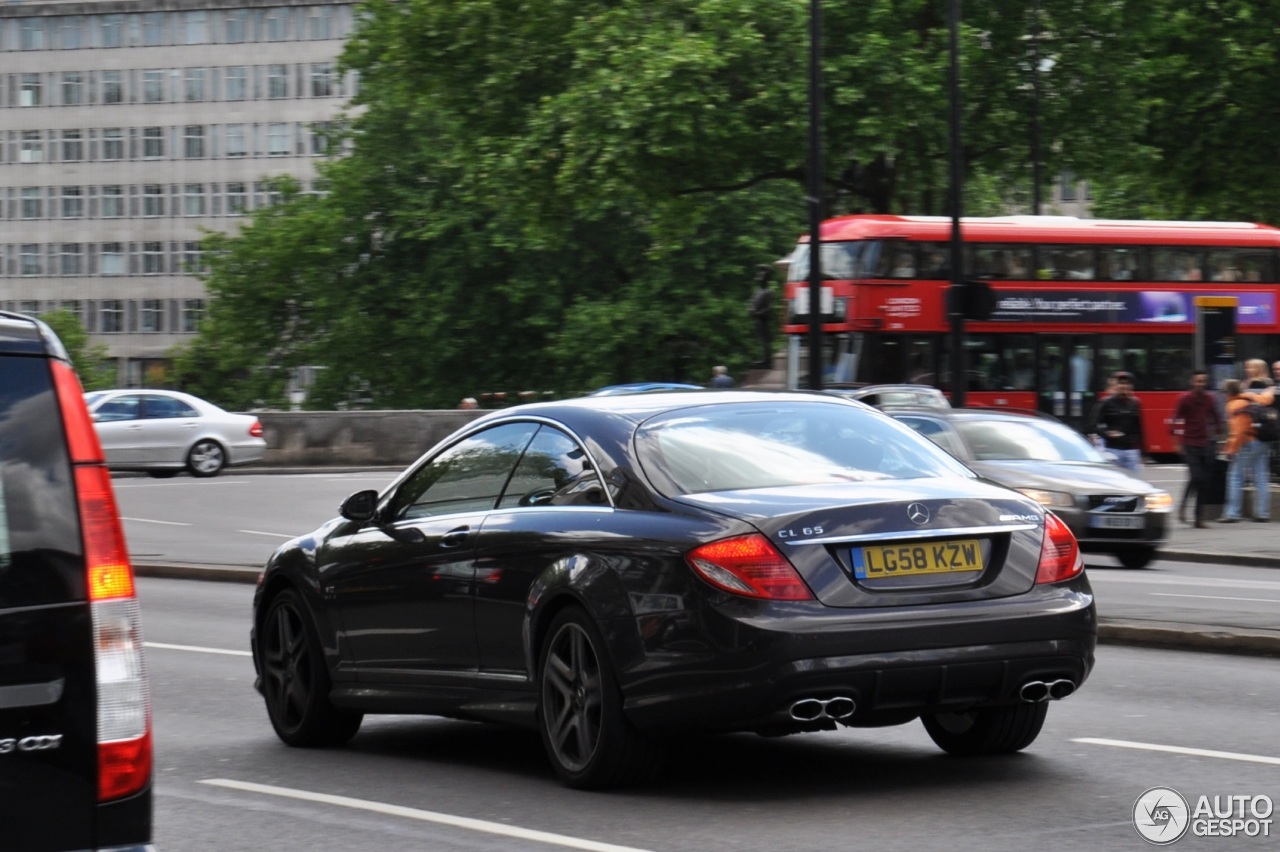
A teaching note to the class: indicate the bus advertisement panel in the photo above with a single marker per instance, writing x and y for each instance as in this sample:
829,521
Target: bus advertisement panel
1074,300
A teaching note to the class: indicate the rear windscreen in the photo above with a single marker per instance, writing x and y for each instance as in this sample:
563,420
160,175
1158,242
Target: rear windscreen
41,559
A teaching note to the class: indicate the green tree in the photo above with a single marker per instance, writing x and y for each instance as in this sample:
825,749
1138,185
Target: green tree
91,362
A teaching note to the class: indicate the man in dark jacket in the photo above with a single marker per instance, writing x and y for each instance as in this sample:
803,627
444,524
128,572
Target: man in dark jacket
1196,428
1119,422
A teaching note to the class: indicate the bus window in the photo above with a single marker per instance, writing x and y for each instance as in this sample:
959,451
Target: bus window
1081,369
1115,352
1177,265
1170,363
905,358
1000,262
839,260
935,263
1117,263
1062,263
1255,265
897,260
1001,361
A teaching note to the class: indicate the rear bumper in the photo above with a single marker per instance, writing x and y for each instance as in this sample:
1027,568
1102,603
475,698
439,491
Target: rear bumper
892,664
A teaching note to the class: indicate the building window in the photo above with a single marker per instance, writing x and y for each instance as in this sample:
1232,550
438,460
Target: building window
193,141
1068,189
237,142
237,82
192,313
153,199
30,259
237,26
32,147
72,146
112,202
321,22
322,80
72,259
193,199
72,202
195,84
151,316
111,259
152,143
195,28
237,199
31,34
112,30
153,29
113,143
321,143
74,307
153,86
275,24
32,202
278,139
111,316
192,258
31,94
152,258
278,81
72,32
72,88
113,87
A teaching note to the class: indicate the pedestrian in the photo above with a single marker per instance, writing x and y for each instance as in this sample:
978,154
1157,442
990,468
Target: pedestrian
1119,423
720,377
761,310
1246,455
1196,428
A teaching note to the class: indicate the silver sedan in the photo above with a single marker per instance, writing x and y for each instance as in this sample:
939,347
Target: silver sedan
165,432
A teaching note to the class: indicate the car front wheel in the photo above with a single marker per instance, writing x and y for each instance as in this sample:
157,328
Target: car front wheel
295,683
991,730
206,458
1138,557
588,739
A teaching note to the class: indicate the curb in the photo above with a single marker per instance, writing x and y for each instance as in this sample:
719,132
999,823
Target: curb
1243,559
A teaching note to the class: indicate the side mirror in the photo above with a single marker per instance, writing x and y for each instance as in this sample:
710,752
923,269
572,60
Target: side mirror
361,506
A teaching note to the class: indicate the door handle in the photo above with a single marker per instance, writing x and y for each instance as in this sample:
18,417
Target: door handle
455,537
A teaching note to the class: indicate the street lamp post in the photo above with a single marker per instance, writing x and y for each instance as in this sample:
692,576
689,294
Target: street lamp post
959,372
815,194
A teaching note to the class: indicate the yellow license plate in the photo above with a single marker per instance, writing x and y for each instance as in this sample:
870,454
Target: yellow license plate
902,560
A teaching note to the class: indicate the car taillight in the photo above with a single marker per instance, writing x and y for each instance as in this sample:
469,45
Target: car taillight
1060,557
124,694
255,431
749,565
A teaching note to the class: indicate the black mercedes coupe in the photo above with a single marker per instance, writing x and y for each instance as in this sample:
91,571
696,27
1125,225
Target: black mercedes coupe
615,571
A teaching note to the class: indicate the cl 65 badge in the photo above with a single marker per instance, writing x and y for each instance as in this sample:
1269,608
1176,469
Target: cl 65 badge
43,742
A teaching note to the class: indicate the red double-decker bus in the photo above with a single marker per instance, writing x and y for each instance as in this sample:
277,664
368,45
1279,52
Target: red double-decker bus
1074,301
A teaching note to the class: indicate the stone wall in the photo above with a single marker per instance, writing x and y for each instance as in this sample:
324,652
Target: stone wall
355,437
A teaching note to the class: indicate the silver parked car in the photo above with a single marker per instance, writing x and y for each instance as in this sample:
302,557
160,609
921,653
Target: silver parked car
165,432
1108,509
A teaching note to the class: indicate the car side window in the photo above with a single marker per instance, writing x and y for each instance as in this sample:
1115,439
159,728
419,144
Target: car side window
119,408
467,477
934,431
165,407
554,471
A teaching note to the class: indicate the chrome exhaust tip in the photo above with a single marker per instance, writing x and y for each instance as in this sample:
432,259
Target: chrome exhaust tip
807,710
1034,691
1061,688
818,709
840,707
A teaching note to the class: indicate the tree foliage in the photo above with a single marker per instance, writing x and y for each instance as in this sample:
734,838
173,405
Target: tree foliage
558,196
90,361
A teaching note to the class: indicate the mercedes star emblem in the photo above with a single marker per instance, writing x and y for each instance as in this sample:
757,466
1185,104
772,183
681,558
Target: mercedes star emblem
918,513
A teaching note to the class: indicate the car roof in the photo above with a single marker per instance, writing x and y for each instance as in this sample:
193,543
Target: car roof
1012,414
26,335
642,406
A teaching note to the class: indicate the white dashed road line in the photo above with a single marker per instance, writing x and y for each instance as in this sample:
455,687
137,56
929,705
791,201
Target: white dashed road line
149,521
197,649
1192,752
273,535
467,823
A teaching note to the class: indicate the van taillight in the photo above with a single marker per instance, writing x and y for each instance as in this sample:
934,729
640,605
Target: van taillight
124,693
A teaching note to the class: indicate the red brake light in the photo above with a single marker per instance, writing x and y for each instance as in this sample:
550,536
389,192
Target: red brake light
82,438
124,767
1060,557
255,431
749,565
105,555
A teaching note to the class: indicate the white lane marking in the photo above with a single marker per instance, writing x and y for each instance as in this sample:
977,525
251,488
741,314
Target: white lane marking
1207,582
423,816
1213,597
1193,752
198,649
149,521
273,535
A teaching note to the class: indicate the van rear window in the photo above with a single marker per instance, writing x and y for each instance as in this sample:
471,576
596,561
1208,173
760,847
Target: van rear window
41,558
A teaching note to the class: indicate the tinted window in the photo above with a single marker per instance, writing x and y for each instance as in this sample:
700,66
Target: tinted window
934,431
40,560
554,471
741,446
1002,440
119,408
167,406
467,477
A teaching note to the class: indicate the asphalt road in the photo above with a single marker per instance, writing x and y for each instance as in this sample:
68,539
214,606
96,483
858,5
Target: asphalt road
1202,724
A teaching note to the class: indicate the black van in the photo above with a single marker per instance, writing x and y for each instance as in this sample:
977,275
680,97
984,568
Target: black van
75,701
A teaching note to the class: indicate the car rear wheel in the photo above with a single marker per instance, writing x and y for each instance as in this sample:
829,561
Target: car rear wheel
295,683
589,740
206,458
991,730
1137,557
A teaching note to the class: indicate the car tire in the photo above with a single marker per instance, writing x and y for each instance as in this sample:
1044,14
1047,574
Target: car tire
295,682
990,730
1138,557
589,740
206,458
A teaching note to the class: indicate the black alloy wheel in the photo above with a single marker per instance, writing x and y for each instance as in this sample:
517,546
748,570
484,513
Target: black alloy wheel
206,458
991,730
295,683
589,740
